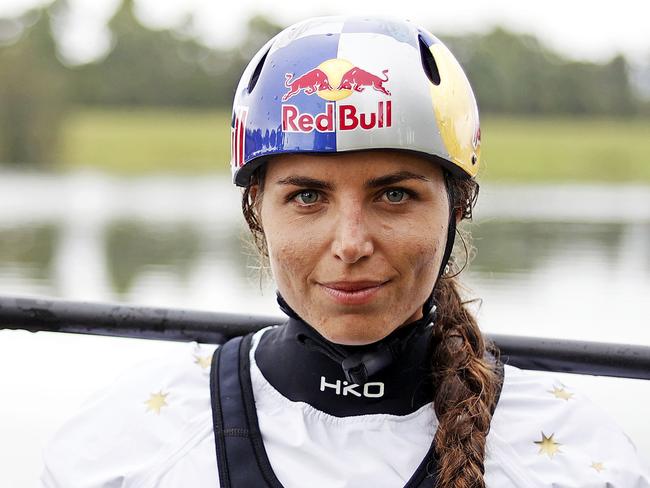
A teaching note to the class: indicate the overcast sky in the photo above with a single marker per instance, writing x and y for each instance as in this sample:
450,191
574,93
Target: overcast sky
581,29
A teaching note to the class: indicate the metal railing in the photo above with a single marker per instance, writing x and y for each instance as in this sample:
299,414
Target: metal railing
593,358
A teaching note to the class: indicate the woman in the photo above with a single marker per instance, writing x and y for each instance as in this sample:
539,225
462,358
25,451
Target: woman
356,142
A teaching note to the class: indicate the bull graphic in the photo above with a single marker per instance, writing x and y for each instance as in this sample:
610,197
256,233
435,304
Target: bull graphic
311,82
358,79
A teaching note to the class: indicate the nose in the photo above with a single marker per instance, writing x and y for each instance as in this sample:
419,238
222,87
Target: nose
352,238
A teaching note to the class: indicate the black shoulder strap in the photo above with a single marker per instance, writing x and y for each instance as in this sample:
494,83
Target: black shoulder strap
241,458
492,356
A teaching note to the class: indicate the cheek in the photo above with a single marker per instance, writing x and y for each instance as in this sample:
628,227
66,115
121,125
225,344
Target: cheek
288,258
419,248
426,254
292,253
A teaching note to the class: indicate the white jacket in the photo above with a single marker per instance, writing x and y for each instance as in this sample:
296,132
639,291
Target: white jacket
153,428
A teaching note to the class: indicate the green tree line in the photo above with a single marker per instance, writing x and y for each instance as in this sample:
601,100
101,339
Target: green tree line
511,73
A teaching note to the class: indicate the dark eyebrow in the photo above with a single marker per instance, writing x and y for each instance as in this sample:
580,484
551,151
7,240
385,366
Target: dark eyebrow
393,178
306,182
385,180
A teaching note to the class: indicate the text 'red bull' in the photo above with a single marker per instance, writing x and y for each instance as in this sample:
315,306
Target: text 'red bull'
347,117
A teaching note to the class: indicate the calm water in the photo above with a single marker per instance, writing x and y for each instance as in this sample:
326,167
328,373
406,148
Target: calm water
559,261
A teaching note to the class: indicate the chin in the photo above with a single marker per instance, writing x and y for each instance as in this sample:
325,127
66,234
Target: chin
353,332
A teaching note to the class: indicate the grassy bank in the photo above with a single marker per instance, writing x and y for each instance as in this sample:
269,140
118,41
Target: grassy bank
552,149
146,140
514,149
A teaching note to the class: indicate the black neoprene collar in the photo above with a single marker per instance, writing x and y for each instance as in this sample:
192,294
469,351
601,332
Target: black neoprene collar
305,367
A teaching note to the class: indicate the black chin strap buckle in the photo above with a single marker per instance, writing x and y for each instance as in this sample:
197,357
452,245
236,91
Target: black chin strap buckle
359,367
355,371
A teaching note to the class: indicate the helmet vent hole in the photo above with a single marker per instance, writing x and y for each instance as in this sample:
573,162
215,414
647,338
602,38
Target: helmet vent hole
429,63
256,72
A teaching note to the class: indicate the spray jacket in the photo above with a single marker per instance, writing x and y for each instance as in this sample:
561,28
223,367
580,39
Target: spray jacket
304,421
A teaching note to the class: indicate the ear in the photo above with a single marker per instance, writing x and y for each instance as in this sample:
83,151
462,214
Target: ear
255,198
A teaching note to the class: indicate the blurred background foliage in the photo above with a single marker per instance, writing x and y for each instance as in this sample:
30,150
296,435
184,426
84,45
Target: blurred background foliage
160,100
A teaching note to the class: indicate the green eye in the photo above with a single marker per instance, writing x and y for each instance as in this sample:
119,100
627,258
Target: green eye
307,197
395,196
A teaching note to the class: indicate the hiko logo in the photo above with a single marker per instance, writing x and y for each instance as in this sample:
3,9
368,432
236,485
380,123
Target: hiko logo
321,81
343,388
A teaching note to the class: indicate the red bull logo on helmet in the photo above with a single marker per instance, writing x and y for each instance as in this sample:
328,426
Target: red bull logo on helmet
346,117
335,80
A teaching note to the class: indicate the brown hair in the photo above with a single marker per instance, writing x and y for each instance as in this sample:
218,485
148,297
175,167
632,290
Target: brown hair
466,383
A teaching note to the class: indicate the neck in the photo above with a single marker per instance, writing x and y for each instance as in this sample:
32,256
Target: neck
391,376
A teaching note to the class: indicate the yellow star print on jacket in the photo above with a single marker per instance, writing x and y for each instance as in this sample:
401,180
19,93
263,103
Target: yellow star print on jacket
153,429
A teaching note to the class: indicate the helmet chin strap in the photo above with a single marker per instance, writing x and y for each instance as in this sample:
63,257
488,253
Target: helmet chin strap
449,246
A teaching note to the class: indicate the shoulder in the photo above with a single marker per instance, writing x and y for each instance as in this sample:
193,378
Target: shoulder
134,425
545,433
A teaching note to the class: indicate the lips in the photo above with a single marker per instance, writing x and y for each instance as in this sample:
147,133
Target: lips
352,285
353,292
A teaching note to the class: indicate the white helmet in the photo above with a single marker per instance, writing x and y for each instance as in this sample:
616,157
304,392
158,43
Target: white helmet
337,84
